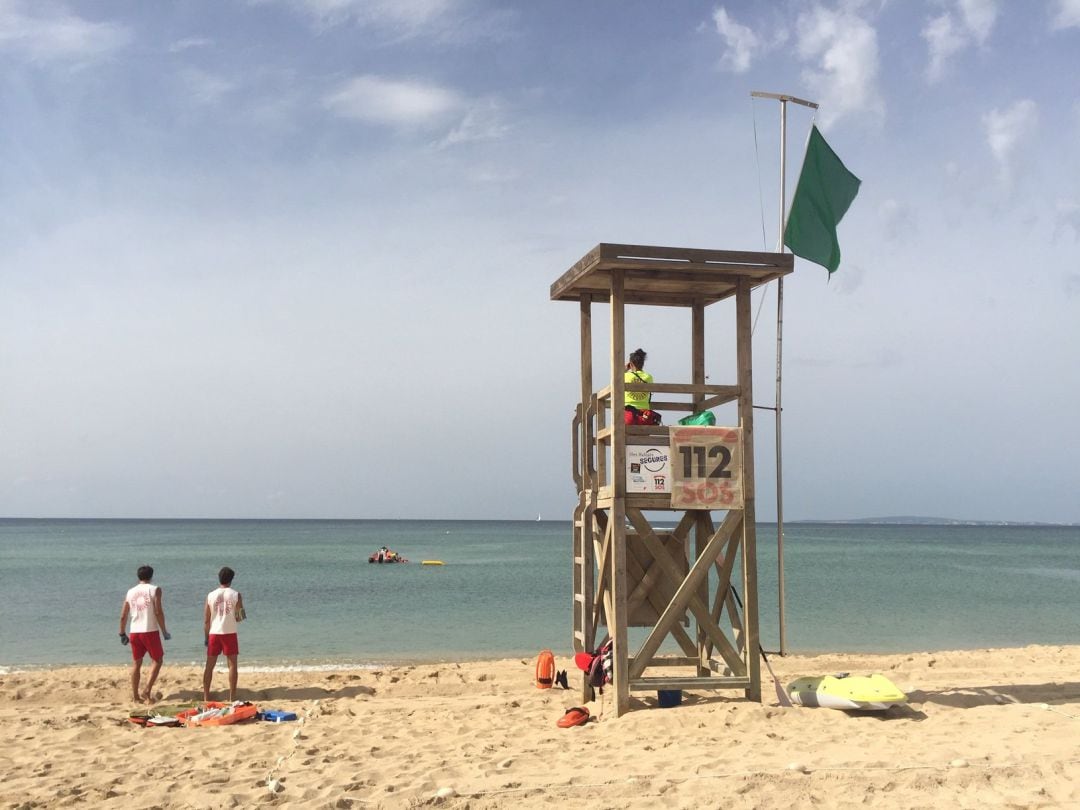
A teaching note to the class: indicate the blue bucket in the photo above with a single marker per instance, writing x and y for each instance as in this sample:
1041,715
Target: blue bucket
667,698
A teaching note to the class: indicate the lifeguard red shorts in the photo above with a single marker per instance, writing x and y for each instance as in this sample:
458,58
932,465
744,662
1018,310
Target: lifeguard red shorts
225,644
143,643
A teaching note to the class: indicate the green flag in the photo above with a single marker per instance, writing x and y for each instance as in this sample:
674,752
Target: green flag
825,190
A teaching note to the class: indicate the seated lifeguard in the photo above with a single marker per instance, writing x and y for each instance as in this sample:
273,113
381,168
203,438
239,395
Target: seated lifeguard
638,404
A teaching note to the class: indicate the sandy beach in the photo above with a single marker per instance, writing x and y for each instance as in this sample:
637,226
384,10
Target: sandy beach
984,728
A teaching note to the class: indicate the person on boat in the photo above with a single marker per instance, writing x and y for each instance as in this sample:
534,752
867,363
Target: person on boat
224,608
143,609
636,401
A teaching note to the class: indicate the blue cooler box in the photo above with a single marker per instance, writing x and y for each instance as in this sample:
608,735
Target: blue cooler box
276,716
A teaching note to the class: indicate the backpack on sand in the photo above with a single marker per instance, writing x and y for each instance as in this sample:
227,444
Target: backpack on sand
599,671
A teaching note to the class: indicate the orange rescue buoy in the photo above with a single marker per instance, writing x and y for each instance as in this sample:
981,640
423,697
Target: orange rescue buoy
545,670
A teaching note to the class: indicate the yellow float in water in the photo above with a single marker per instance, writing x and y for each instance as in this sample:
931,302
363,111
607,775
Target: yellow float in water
431,562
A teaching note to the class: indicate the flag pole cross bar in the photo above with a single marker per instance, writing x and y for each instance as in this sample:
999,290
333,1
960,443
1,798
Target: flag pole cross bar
784,97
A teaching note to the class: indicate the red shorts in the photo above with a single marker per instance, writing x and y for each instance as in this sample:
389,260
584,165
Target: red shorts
225,644
143,643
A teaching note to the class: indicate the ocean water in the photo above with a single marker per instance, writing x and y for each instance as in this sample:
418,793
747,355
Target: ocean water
505,590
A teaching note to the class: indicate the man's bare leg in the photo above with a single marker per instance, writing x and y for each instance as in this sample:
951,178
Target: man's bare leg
232,678
155,668
136,674
208,676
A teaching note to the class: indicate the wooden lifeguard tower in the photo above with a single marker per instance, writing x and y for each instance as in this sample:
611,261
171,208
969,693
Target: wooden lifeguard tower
646,577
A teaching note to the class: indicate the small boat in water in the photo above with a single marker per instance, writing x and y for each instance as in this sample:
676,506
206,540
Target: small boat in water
385,555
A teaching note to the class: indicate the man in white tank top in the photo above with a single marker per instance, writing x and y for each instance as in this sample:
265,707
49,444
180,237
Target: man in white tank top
224,608
142,607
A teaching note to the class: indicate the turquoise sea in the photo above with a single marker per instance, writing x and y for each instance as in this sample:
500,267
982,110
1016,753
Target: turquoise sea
313,599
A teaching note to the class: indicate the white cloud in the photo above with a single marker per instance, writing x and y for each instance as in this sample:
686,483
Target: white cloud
455,22
979,17
483,121
406,13
1066,218
393,102
205,88
897,220
943,40
1072,284
399,17
418,106
951,32
188,43
490,175
742,43
1006,129
48,32
1066,14
844,48
848,280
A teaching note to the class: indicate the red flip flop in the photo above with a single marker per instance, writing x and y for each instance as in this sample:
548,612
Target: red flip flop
575,716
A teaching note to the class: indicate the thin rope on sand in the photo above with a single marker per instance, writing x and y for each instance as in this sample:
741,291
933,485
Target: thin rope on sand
272,783
1055,710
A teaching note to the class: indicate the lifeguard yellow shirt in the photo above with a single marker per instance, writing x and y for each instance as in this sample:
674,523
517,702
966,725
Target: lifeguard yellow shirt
641,400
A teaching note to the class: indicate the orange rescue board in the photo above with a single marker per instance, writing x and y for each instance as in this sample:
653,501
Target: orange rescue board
233,714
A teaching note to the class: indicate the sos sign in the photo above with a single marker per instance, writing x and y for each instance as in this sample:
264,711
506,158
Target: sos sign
706,468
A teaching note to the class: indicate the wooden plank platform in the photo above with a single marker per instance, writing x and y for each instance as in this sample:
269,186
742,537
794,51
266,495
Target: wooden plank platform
667,276
689,683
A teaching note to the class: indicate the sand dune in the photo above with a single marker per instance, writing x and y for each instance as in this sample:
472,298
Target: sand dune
984,728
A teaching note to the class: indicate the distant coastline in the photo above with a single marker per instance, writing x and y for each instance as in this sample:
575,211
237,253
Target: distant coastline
916,520
897,520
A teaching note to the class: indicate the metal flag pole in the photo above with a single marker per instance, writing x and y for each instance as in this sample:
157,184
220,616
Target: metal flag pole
783,99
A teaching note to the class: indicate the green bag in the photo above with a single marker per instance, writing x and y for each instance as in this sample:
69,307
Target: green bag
700,418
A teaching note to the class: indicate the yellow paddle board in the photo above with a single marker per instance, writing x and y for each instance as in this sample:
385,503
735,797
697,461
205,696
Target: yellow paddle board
431,562
864,692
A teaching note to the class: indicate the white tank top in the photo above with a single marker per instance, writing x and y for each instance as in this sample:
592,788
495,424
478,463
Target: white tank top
140,601
222,604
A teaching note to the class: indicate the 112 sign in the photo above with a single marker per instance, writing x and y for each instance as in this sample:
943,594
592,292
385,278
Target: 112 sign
706,468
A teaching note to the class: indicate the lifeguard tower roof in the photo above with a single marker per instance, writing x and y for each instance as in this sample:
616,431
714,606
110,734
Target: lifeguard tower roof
667,276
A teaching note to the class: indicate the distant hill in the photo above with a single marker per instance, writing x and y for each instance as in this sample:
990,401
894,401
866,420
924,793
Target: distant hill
918,520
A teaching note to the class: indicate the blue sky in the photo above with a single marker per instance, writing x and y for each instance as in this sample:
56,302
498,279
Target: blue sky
291,258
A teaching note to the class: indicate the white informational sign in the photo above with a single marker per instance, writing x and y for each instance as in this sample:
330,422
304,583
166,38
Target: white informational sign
648,468
706,468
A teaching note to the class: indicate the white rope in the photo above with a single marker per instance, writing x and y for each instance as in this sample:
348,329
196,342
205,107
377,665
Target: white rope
1050,708
761,207
761,303
757,164
273,784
